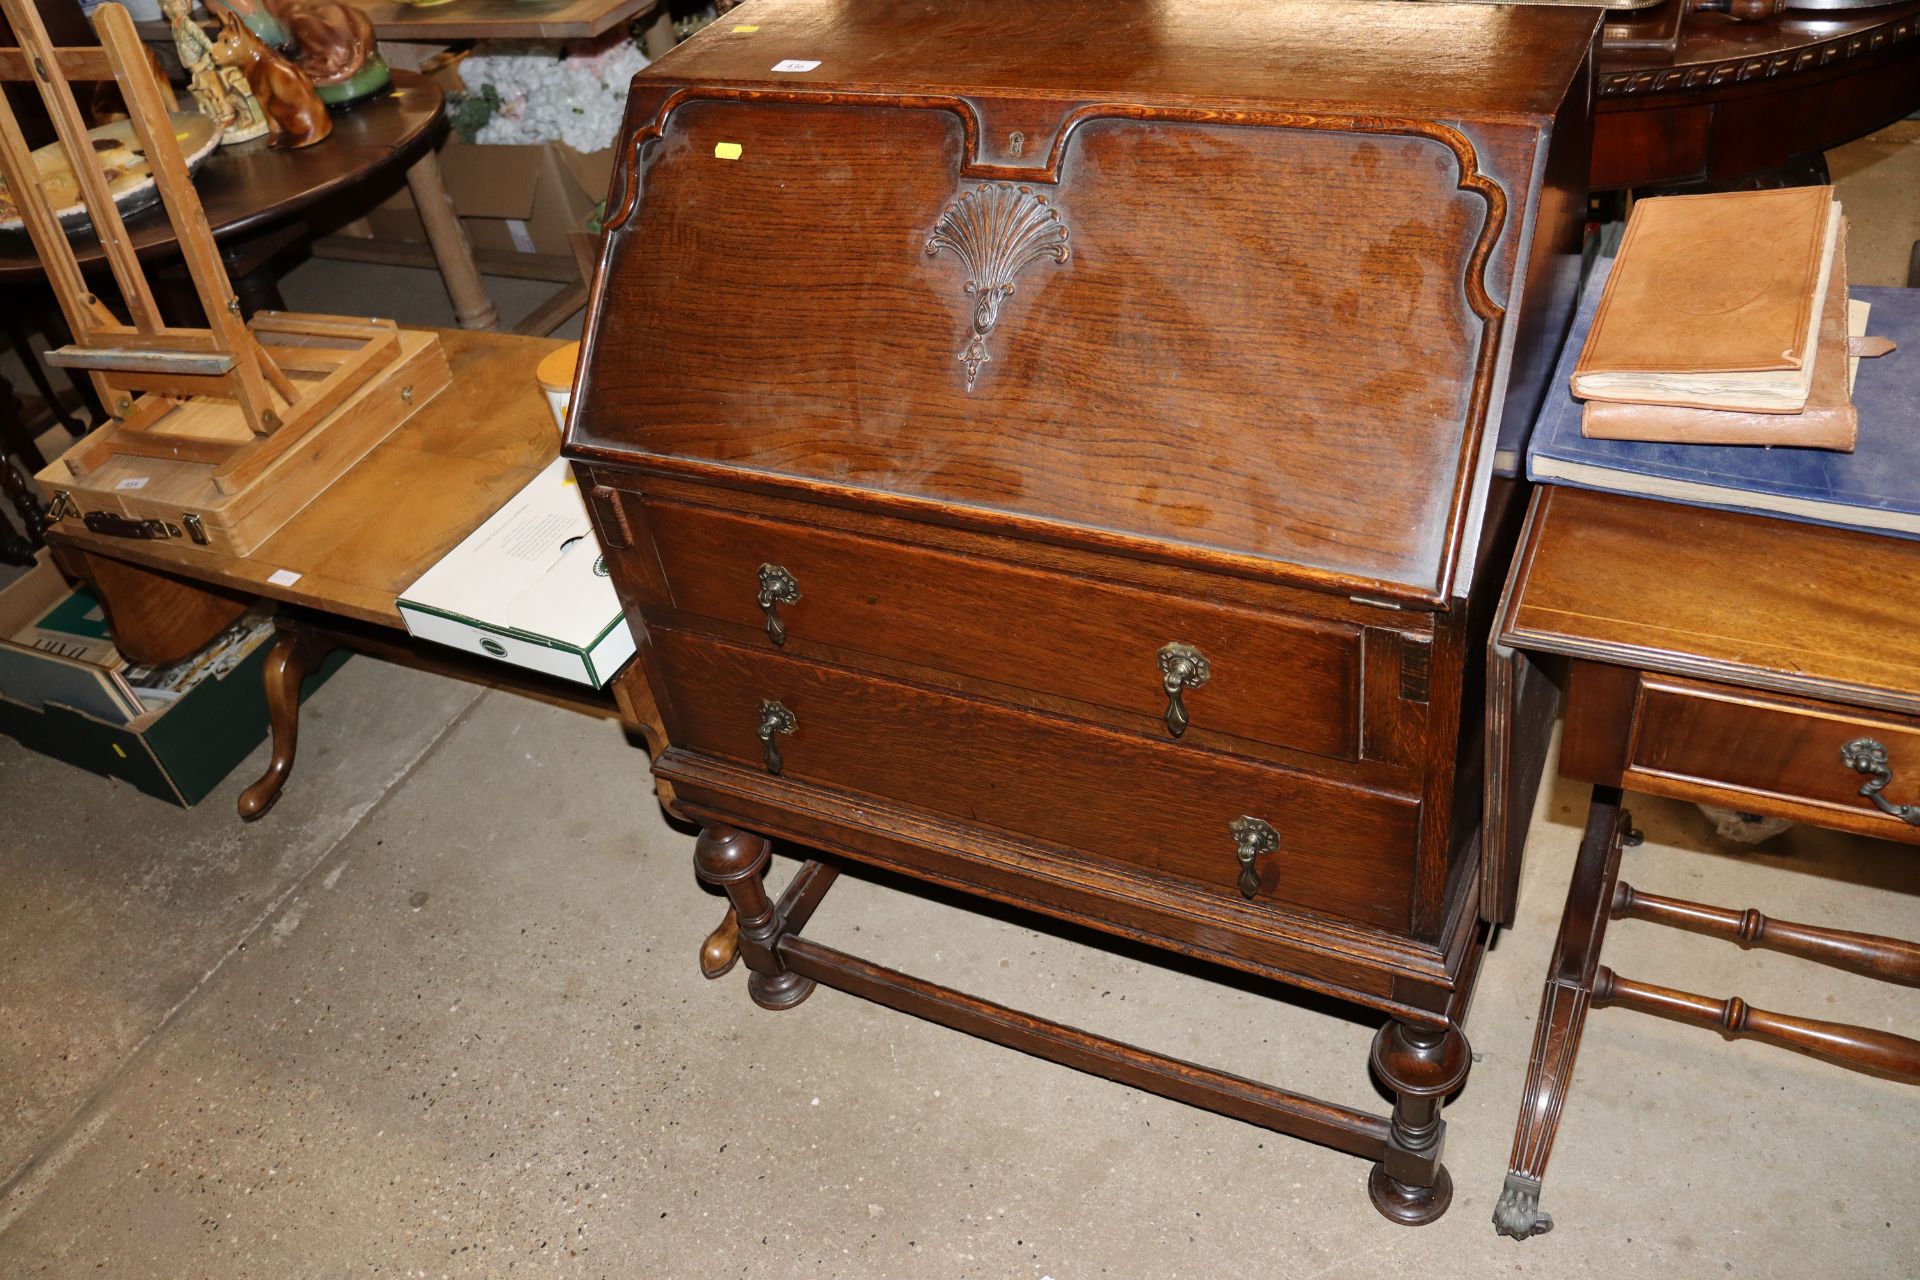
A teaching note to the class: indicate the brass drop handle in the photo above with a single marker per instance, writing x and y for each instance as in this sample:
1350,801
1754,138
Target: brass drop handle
1182,667
774,718
1869,755
777,587
1251,838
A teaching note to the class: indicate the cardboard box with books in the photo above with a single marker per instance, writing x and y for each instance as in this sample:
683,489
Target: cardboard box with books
173,731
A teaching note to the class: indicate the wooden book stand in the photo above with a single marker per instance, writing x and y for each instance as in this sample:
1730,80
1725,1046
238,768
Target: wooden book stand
215,410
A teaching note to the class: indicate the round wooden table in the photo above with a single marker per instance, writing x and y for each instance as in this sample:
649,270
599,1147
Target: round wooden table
253,196
1752,103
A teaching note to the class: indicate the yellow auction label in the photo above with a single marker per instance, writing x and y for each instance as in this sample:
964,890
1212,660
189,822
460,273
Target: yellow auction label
749,27
726,150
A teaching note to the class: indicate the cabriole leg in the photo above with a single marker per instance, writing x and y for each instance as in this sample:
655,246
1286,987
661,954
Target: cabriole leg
736,861
297,653
1422,1065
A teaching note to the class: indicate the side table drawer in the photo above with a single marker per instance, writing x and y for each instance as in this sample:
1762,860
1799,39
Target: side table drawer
1163,809
1269,678
1787,756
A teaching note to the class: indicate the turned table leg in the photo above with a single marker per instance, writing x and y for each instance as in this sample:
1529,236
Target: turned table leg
297,653
451,248
1422,1064
1563,1015
736,861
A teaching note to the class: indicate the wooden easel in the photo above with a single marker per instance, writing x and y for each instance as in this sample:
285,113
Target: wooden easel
226,395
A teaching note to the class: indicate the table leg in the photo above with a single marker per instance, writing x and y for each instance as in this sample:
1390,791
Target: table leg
1563,1015
451,249
297,653
1422,1064
736,861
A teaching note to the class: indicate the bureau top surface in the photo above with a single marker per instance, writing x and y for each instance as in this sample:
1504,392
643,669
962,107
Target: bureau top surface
1741,599
1416,59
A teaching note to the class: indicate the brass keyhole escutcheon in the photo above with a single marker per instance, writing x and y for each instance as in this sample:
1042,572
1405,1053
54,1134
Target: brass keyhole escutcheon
1251,838
1182,667
777,587
774,719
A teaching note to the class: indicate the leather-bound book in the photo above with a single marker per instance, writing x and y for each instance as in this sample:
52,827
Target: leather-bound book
1827,422
1715,302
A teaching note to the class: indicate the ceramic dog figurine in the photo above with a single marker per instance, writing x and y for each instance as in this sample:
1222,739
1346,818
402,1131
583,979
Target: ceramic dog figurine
294,111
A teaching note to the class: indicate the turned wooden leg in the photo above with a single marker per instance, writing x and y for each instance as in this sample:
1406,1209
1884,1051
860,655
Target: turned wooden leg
721,950
451,248
737,862
297,653
1563,1015
1422,1064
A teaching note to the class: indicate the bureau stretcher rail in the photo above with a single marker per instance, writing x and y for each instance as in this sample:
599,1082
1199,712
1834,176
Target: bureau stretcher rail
1329,1124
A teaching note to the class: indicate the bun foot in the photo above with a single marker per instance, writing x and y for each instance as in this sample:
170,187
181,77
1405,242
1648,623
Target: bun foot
1518,1212
721,950
782,991
1409,1206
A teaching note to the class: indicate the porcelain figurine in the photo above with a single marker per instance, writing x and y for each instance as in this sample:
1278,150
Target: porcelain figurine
295,114
336,46
220,92
263,20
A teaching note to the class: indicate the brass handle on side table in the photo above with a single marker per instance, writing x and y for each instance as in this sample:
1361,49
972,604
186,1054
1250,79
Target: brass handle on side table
777,587
1869,755
1251,838
1182,667
774,718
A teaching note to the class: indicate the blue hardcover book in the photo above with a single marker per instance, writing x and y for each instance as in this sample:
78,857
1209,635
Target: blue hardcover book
1876,487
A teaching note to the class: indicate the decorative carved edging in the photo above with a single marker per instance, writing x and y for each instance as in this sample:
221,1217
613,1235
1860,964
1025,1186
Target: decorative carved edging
1708,75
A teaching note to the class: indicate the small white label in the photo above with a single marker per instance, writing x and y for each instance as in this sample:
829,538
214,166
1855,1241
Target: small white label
795,64
522,237
283,577
134,482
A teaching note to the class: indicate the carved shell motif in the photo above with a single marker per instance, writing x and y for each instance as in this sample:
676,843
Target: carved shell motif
995,230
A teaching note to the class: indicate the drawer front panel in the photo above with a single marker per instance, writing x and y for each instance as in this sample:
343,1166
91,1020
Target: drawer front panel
1784,750
1274,680
1161,809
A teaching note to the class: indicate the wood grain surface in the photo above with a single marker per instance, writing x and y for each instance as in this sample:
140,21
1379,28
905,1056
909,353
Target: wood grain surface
1024,628
354,548
1772,604
1345,54
1160,808
1130,389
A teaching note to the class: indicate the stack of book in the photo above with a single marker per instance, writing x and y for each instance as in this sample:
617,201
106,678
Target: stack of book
1715,361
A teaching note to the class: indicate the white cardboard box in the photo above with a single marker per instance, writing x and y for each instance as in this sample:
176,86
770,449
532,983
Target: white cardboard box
529,587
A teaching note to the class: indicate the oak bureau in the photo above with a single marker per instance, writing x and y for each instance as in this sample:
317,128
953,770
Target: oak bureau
1048,451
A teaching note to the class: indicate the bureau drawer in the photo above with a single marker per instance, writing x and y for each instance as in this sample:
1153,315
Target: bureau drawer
1782,755
1270,679
1162,809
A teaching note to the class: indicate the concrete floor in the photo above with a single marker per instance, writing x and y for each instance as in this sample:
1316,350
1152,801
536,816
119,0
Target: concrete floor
438,1015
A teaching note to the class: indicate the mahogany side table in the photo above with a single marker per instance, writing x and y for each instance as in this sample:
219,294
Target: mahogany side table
1758,664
